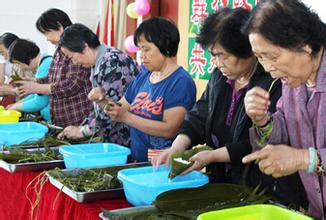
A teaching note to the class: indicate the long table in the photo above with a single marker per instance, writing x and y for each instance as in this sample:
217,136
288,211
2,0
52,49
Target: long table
14,204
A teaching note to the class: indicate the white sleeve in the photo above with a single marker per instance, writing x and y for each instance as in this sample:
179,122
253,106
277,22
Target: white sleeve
2,59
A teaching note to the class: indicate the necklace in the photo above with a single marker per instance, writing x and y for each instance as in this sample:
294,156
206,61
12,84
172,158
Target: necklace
158,76
245,79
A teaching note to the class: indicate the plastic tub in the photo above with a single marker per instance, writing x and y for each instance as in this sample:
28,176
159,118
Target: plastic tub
94,155
254,212
143,185
9,116
16,133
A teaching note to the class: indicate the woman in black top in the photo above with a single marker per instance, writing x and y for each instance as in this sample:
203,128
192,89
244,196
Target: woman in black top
219,118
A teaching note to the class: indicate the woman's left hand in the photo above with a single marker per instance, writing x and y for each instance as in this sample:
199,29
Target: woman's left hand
201,160
279,160
115,111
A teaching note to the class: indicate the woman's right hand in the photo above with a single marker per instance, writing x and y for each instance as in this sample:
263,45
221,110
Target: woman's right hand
70,132
200,160
164,157
97,95
256,104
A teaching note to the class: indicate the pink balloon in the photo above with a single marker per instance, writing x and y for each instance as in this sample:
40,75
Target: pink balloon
130,45
142,7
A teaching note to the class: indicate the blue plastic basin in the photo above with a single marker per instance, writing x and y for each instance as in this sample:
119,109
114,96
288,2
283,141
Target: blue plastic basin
142,185
94,155
17,133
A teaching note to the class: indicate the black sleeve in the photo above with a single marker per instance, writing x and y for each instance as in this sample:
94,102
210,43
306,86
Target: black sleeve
195,120
237,150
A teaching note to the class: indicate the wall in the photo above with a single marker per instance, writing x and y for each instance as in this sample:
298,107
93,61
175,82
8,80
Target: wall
19,16
318,6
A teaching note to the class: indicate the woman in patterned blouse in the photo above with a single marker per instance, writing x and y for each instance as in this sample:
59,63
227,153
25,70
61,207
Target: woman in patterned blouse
112,71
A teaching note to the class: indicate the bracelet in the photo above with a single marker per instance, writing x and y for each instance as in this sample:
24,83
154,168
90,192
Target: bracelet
85,131
269,120
312,160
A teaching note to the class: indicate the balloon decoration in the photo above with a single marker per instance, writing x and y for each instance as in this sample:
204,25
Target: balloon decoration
134,10
130,45
142,7
131,11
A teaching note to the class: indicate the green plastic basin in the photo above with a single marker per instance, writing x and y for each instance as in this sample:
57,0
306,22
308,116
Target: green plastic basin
254,212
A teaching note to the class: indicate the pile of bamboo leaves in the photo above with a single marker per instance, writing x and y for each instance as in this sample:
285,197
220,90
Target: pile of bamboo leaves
87,180
53,141
19,155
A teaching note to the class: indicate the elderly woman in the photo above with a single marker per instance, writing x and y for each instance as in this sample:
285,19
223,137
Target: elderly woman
218,118
111,73
27,56
289,40
156,102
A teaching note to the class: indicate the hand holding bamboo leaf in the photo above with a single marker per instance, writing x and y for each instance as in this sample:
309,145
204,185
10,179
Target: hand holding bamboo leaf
257,103
181,160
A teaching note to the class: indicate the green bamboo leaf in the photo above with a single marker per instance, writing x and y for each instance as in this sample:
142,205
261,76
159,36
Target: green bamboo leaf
180,160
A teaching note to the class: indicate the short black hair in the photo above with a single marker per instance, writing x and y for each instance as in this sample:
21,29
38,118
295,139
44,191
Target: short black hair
161,32
23,51
76,36
224,27
7,39
52,19
289,24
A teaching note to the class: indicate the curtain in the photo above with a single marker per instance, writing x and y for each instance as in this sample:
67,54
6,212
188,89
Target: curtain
112,22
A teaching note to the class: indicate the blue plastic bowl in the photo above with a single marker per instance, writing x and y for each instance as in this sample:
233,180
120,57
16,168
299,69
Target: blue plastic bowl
17,133
94,155
142,185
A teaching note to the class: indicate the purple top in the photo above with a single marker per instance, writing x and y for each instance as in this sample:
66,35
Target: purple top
235,99
300,122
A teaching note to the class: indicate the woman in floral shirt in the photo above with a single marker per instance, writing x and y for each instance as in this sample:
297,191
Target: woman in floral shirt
112,71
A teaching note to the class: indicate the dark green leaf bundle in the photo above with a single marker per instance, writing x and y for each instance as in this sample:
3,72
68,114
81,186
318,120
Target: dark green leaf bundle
187,204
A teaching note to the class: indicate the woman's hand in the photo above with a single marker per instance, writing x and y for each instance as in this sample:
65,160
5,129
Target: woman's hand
70,132
201,160
181,143
279,160
97,95
116,111
15,106
8,90
256,103
26,87
164,157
